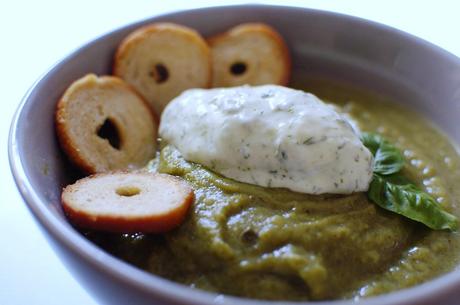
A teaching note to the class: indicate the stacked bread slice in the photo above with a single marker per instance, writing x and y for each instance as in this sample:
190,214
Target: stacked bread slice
107,125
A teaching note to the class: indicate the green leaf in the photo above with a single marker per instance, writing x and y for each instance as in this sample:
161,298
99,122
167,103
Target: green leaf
394,192
397,179
387,158
371,141
411,202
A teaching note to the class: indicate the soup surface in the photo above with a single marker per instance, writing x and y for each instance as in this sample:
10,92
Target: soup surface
256,242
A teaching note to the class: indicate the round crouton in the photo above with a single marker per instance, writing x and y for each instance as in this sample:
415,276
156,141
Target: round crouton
250,53
128,202
163,59
103,125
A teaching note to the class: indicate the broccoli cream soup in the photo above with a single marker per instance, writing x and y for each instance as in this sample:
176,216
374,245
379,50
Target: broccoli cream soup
255,241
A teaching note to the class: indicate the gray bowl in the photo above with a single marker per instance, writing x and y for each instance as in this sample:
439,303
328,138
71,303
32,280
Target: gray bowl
327,45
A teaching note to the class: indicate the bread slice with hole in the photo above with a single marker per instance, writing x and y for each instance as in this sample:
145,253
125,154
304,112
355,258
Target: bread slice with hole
103,125
163,59
128,202
250,53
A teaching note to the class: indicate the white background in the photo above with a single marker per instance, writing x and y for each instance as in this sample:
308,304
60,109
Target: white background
36,34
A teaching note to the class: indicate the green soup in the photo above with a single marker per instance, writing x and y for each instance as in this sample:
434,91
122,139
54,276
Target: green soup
255,242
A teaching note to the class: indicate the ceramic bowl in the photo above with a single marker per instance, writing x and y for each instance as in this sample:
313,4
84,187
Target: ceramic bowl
328,45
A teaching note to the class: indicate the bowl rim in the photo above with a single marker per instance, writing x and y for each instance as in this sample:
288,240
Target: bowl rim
153,284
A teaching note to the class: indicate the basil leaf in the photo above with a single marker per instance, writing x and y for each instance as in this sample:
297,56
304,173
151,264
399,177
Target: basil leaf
394,192
409,201
371,141
387,158
397,179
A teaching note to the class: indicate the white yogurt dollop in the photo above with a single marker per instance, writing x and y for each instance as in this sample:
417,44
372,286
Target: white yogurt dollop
270,136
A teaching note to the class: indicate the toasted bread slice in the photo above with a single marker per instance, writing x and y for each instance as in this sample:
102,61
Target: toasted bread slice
163,59
250,53
128,202
103,125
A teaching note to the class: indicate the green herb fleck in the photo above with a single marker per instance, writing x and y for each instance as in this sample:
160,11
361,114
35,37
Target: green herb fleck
267,94
284,155
308,141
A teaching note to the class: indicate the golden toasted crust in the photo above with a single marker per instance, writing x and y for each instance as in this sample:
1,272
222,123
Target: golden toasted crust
161,203
86,106
163,59
256,45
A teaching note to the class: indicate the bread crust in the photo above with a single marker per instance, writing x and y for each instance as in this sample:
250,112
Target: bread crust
64,112
259,29
125,54
117,222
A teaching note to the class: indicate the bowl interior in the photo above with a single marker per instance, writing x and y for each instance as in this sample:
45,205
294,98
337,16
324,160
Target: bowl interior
323,45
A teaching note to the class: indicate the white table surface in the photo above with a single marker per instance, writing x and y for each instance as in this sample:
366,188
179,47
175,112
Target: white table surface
36,34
